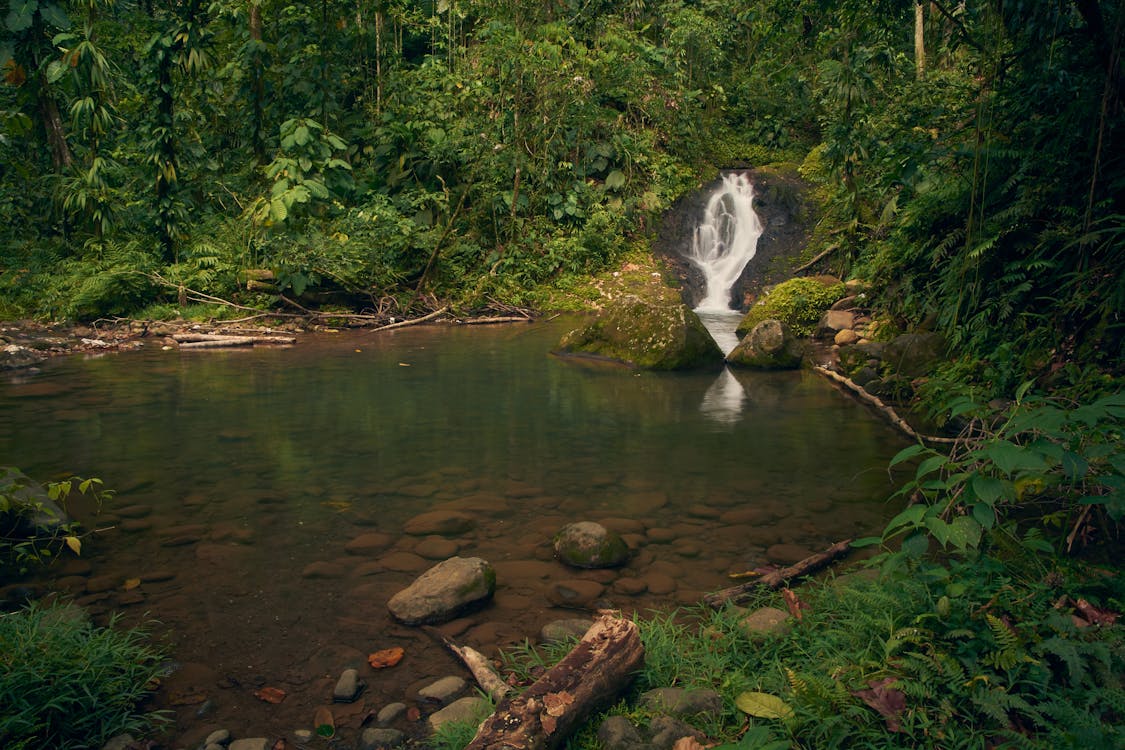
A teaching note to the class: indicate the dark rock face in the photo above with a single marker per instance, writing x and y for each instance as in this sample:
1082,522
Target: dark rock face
782,200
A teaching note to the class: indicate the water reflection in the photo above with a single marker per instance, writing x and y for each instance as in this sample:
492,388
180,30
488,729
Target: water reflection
725,399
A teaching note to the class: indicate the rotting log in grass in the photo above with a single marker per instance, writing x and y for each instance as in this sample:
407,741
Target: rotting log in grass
590,676
778,578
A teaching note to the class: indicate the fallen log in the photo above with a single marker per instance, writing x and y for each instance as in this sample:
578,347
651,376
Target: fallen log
477,664
492,321
214,340
778,578
412,321
589,677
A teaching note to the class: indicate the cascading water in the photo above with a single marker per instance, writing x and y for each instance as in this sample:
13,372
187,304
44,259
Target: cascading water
724,242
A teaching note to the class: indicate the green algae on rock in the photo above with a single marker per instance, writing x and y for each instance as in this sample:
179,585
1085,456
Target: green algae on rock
652,330
798,303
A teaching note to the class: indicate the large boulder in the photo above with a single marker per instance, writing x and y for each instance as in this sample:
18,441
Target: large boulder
590,545
769,346
444,591
653,330
799,303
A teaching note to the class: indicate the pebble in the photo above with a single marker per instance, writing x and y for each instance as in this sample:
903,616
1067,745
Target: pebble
218,737
371,739
250,743
389,713
348,687
467,709
561,630
444,690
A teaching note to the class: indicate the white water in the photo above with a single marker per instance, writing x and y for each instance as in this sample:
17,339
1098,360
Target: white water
725,240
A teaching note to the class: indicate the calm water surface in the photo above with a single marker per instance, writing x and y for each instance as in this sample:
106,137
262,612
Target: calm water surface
263,494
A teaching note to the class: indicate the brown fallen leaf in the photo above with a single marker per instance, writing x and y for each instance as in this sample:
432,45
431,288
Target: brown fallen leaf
549,723
413,714
793,603
131,583
387,657
889,702
270,694
280,745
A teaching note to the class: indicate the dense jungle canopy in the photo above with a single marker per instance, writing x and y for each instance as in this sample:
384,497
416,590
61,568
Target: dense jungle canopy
385,155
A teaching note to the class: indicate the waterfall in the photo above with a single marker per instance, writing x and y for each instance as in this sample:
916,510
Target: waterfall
725,240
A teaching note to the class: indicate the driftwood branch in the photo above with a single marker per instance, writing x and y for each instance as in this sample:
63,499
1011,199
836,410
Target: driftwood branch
881,407
779,578
490,321
413,321
214,340
477,664
590,676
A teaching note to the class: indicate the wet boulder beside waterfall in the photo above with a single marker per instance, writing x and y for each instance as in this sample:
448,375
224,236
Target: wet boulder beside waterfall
649,327
770,345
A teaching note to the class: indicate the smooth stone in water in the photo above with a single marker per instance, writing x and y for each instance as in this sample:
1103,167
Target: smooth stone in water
439,522
390,713
468,709
373,739
561,630
365,544
787,554
443,591
590,545
444,690
575,593
436,548
348,687
250,743
218,737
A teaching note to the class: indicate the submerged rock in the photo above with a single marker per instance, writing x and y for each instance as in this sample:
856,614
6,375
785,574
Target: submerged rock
656,331
590,545
770,345
444,591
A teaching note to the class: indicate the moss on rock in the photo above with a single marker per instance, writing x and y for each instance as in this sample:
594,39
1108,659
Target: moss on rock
650,327
798,303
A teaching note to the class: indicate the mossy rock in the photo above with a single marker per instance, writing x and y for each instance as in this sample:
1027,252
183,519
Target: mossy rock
653,331
590,545
798,303
770,346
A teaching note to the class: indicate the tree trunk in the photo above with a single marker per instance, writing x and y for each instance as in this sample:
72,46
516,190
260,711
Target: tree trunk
53,125
589,677
919,40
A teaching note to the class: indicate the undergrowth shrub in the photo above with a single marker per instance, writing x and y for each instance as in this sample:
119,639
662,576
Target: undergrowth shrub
67,684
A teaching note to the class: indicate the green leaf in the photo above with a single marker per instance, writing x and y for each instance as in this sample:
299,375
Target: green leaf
912,516
984,515
930,465
1010,458
21,14
964,533
56,69
989,489
278,210
615,180
908,453
915,546
54,14
763,706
